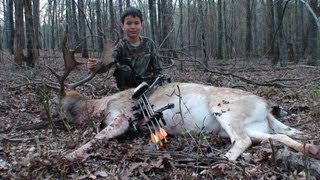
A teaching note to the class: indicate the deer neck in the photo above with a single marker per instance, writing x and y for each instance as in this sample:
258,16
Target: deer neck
80,109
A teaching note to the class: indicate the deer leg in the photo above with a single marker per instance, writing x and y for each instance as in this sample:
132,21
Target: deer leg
286,140
117,127
241,141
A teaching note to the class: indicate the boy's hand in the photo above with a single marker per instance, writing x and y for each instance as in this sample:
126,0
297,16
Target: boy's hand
98,66
92,64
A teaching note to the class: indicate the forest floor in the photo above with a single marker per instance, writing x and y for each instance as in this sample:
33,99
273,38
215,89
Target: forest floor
37,153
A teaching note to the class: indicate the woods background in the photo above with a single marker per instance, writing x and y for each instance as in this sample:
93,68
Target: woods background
207,30
238,41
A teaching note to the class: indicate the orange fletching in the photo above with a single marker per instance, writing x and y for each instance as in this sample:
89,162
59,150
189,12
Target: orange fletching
154,138
164,134
159,135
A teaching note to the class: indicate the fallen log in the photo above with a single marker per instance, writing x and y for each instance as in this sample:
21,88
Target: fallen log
296,161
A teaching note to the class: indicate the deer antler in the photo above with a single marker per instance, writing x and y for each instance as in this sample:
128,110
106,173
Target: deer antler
107,47
70,63
105,56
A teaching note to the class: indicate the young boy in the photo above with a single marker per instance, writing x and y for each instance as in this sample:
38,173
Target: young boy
135,56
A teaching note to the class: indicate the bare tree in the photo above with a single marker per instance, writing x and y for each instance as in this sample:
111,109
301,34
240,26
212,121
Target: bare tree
99,24
153,22
120,12
281,49
82,24
18,35
36,23
248,28
270,30
9,29
1,39
75,26
105,16
220,32
203,34
225,23
32,55
128,3
313,34
112,20
166,23
71,19
188,25
298,11
181,29
52,7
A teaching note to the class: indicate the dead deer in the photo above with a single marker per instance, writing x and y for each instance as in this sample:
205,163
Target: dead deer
239,115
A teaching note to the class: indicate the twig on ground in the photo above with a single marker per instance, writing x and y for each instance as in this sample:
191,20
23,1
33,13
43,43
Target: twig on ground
5,137
273,155
143,174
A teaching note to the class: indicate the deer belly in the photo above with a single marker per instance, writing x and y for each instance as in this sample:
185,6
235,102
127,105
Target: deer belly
191,113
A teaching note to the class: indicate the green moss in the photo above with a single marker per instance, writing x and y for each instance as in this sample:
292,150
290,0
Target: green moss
314,92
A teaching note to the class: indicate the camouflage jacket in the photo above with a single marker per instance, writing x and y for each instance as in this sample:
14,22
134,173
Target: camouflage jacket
143,59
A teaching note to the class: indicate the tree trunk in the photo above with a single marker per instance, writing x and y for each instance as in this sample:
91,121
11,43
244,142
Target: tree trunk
75,26
152,14
281,49
120,12
248,29
99,25
53,5
9,25
105,16
232,28
128,3
69,21
1,40
181,29
270,29
18,35
299,30
255,45
31,57
36,22
112,20
225,37
188,26
203,34
82,28
165,21
92,23
220,32
313,35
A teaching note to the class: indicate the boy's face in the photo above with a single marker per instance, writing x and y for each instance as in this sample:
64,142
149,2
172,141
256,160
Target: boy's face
132,26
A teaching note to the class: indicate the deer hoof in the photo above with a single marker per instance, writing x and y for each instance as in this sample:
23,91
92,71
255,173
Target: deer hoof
314,150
